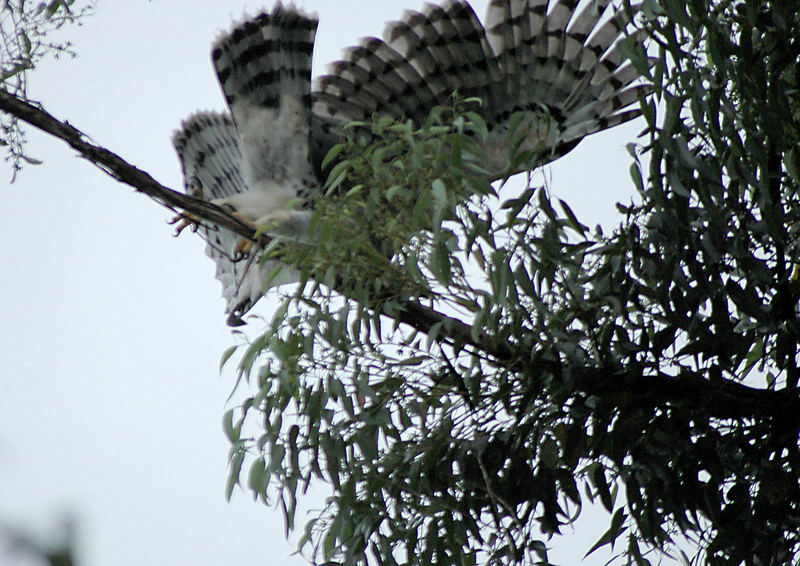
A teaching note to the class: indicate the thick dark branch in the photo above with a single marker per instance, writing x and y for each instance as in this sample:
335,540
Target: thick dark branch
459,334
719,399
118,168
723,399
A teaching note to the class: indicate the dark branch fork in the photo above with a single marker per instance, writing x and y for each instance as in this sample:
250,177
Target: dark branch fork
727,400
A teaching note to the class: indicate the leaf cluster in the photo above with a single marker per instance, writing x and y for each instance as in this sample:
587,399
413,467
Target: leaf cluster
652,369
706,269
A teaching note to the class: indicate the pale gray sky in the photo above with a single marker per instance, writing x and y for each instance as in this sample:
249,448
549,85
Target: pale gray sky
111,330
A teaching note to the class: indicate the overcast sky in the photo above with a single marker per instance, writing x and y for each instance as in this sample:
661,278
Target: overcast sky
111,330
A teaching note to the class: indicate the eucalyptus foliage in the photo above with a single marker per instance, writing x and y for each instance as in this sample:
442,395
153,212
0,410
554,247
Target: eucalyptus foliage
468,372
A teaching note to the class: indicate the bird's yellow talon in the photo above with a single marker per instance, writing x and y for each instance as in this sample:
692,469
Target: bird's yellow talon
243,248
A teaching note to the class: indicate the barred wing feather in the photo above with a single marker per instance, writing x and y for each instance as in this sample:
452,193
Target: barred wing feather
560,62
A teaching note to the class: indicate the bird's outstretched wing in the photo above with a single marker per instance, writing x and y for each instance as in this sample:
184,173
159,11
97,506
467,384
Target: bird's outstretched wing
560,64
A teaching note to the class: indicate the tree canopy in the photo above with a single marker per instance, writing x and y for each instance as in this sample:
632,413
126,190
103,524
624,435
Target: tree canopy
469,369
487,366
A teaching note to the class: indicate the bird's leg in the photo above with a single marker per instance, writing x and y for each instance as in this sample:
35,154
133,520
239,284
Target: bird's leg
245,245
243,248
185,219
275,218
272,220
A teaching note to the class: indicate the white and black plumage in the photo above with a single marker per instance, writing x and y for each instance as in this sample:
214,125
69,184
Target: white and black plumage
264,159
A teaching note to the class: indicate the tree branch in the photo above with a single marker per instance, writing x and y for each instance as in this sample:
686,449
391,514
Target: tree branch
118,168
414,314
726,400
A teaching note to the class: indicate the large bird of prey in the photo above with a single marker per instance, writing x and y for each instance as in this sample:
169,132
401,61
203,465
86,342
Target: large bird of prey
264,159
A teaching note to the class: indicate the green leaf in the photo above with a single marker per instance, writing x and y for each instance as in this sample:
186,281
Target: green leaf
276,455
258,479
226,355
612,534
336,177
440,263
572,220
231,432
439,192
334,153
235,470
598,477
